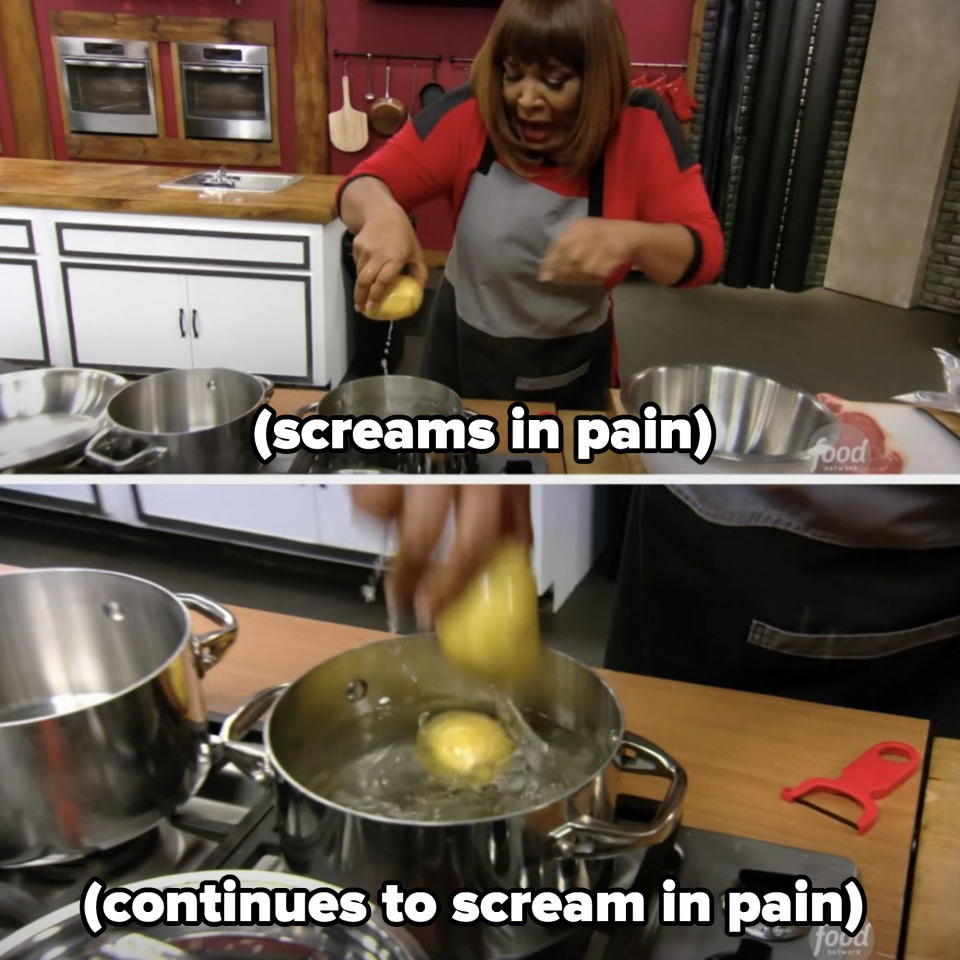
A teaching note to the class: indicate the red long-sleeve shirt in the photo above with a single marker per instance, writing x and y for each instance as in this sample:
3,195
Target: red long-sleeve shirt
648,174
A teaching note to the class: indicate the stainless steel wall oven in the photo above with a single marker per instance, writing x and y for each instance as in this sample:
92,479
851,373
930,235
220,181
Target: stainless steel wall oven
226,91
108,86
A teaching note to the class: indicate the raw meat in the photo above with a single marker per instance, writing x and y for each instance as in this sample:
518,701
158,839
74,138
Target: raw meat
855,427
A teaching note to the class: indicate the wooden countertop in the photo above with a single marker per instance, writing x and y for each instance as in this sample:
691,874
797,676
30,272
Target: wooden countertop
126,188
738,749
933,906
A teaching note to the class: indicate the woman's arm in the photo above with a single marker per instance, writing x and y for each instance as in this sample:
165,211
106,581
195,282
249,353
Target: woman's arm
384,243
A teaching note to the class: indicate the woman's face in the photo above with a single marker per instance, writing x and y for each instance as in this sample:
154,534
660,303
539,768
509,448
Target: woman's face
542,102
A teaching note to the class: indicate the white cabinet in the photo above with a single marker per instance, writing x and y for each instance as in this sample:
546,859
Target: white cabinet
144,292
260,323
127,317
287,512
136,318
21,312
22,329
53,494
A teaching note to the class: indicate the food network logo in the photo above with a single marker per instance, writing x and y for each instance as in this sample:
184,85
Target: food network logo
843,448
831,943
840,457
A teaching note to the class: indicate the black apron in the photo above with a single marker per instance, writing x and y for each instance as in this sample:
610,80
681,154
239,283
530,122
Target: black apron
768,611
494,332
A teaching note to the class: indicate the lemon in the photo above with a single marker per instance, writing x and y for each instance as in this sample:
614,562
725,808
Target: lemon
403,300
491,630
463,744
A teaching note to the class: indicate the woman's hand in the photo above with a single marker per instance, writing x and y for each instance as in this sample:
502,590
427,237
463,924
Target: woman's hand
591,250
384,240
385,245
484,516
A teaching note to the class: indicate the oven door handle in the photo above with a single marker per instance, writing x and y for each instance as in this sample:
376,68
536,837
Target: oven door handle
119,64
188,68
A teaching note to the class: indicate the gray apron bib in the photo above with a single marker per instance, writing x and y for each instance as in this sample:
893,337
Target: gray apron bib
496,331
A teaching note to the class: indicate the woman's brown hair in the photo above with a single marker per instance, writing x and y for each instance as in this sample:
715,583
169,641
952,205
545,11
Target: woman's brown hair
584,35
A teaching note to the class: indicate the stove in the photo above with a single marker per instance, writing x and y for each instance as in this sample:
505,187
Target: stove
230,824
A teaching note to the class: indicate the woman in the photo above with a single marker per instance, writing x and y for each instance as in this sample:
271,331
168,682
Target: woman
838,594
561,179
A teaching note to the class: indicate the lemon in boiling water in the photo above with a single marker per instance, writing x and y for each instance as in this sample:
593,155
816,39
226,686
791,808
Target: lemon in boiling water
491,628
402,300
464,745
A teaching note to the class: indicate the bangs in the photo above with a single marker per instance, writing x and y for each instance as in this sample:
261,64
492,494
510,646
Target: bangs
540,36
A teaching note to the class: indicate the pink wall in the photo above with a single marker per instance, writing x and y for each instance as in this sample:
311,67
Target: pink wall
274,10
657,30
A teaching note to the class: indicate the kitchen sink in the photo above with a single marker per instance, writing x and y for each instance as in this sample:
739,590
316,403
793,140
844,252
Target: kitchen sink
222,180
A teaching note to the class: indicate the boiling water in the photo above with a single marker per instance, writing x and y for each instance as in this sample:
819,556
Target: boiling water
373,766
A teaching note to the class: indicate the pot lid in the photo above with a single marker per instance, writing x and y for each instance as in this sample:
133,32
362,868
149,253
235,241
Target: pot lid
61,935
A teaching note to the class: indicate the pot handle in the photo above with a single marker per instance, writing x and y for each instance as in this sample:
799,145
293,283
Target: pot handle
589,838
267,385
209,647
251,758
141,460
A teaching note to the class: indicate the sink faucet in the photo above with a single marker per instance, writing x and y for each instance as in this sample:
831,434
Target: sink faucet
220,179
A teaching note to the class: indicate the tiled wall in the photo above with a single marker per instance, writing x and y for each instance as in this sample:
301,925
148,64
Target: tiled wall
941,281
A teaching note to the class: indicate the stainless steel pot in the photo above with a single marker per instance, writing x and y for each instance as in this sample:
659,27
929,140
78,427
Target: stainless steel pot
762,426
382,397
48,415
62,934
182,421
102,719
560,844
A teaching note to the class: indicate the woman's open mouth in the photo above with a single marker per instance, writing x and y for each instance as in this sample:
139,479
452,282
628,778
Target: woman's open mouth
536,133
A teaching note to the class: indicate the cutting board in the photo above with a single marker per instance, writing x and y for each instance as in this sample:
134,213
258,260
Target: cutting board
347,127
927,445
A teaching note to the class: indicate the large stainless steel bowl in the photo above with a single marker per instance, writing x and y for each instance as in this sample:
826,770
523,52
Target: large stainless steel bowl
62,933
762,426
48,415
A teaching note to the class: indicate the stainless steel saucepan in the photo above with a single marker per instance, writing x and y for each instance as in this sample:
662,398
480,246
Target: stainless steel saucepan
47,415
380,397
182,421
103,730
559,840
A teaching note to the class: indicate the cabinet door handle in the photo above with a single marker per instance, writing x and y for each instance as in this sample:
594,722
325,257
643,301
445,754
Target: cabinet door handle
193,323
183,329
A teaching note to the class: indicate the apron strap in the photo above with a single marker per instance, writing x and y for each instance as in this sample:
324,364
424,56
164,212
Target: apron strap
595,188
487,158
595,178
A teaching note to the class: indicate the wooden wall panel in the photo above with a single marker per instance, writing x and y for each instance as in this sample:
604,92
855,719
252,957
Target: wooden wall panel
126,26
308,33
21,63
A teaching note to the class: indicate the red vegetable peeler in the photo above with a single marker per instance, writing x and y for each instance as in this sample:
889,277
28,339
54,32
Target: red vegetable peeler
869,776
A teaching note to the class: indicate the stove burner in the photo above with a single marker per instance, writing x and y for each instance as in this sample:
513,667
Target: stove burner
103,864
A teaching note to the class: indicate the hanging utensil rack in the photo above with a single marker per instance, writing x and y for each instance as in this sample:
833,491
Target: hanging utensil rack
432,57
659,66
